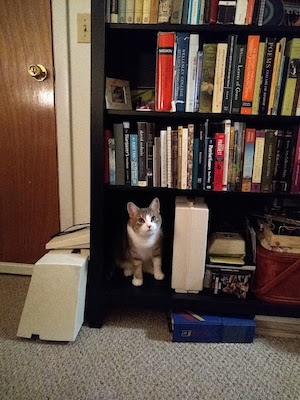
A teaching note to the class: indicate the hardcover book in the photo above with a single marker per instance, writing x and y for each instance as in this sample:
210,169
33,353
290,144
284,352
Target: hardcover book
176,13
238,79
208,173
250,71
258,78
213,11
184,158
164,11
134,159
180,71
192,72
219,161
119,148
219,77
226,12
141,129
146,11
154,12
163,158
126,128
268,161
240,12
190,155
229,73
129,11
207,78
138,11
112,161
164,71
258,160
121,11
150,133
248,159
270,45
295,184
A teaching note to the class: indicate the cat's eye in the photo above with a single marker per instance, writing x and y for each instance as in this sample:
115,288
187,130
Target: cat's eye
141,220
153,219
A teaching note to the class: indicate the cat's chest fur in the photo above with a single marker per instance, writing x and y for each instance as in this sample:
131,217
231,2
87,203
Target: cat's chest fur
141,246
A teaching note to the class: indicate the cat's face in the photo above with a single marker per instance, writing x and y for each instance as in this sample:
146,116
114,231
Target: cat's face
145,221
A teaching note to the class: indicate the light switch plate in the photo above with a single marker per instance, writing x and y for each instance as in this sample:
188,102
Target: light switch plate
83,28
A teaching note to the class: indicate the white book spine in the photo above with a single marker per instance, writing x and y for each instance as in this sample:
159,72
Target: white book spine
240,12
219,77
169,156
192,72
194,12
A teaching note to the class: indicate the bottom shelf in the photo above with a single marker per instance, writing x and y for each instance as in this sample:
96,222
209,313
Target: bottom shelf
158,294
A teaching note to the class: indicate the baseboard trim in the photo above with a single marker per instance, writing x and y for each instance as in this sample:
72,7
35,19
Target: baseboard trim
16,268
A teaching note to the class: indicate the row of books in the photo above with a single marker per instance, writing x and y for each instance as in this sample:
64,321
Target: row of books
211,156
197,12
260,77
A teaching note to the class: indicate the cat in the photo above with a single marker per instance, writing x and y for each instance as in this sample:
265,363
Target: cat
142,243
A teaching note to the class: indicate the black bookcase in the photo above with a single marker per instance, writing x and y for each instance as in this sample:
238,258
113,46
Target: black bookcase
128,52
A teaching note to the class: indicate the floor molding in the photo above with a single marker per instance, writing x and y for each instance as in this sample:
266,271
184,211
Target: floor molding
16,268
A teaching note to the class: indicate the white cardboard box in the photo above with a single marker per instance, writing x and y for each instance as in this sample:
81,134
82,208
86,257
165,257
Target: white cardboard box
189,244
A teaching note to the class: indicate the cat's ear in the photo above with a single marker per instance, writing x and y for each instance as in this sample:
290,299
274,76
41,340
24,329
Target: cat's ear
155,205
132,209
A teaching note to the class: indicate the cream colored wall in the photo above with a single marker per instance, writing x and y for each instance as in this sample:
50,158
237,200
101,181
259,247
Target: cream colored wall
72,89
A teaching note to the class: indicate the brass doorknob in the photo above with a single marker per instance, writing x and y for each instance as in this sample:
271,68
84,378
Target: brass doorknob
38,72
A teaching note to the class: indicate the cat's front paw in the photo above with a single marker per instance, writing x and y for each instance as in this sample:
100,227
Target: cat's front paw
159,276
128,272
137,282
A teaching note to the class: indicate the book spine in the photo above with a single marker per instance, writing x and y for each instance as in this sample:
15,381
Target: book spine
134,158
154,12
181,67
190,155
209,163
184,158
240,12
146,11
239,155
267,74
185,12
174,158
179,158
120,159
290,86
112,161
164,11
150,132
287,161
258,160
138,11
207,78
268,161
129,11
295,183
258,78
195,163
227,129
126,128
234,156
278,160
141,127
201,153
176,13
248,159
219,77
296,95
219,161
249,12
192,72
238,80
163,159
156,162
164,71
230,180
250,71
279,94
213,12
198,80
229,71
280,46
169,157
194,12
114,11
107,136
261,11
226,12
206,11
121,11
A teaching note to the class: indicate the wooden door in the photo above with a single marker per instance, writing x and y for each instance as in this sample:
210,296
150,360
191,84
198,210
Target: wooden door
29,203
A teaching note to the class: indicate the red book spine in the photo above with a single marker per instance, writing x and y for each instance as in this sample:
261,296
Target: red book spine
107,135
219,161
295,186
164,71
213,12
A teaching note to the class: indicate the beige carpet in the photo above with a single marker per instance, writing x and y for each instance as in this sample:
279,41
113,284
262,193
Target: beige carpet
132,358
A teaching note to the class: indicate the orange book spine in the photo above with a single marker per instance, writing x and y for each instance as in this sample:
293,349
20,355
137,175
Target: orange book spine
164,71
249,12
250,72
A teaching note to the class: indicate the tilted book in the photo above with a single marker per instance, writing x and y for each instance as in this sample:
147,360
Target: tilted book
164,71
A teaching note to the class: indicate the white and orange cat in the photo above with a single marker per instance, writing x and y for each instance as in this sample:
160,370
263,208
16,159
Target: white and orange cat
142,244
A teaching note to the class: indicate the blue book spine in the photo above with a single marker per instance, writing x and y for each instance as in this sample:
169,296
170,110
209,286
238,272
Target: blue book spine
134,159
181,67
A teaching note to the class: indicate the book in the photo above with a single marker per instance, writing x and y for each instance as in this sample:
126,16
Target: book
176,13
278,159
180,71
146,11
296,96
258,78
179,157
231,282
238,79
268,160
281,87
121,11
114,11
133,140
130,11
295,183
202,133
185,12
270,45
150,133
279,53
229,72
213,11
164,71
220,65
169,157
227,130
249,12
287,161
194,12
258,160
184,157
248,159
192,72
198,80
230,177
208,170
207,77
293,54
163,158
174,157
195,163
219,161
190,155
240,12
239,155
154,12
226,12
249,75
141,131
164,11
119,149
156,162
112,161
107,135
138,11
126,129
